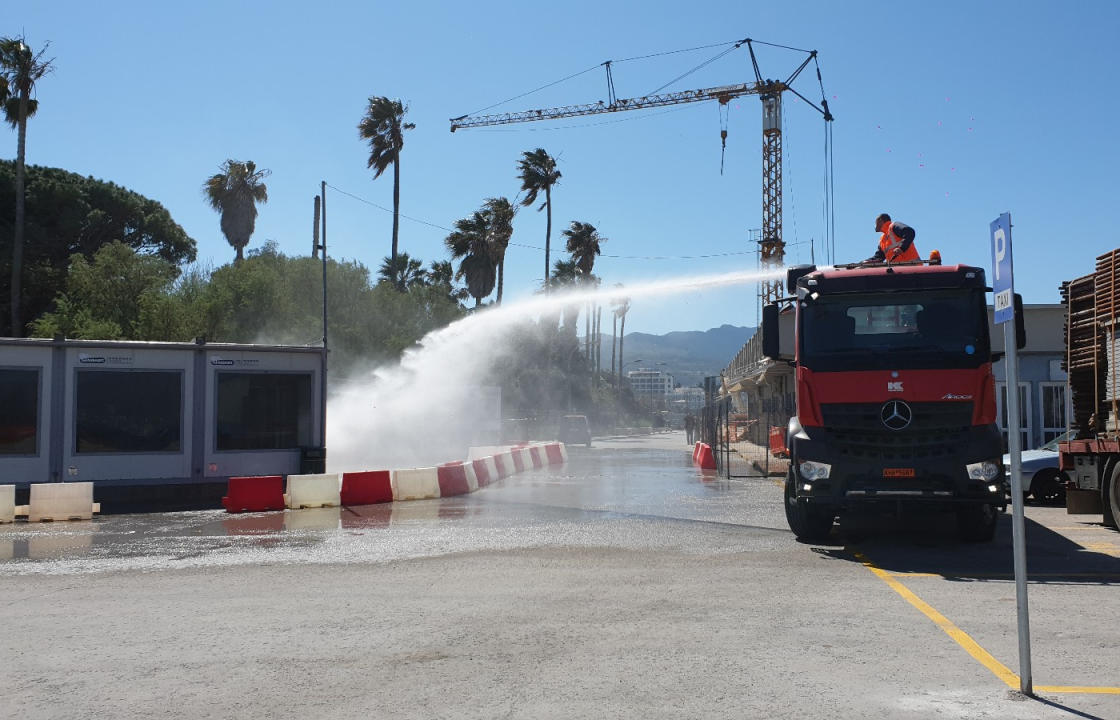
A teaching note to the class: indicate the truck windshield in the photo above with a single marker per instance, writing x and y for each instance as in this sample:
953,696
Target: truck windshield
927,329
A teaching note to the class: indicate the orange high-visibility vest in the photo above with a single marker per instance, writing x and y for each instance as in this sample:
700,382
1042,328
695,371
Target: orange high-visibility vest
890,243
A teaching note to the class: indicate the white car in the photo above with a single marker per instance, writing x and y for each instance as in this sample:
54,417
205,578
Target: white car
1040,474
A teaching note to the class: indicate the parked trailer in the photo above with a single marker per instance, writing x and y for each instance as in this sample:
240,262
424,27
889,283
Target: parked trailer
1091,459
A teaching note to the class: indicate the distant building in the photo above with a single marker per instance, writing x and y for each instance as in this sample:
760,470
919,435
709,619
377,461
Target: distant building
653,384
687,399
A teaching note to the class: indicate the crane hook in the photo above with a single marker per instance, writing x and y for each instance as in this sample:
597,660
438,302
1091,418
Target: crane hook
723,148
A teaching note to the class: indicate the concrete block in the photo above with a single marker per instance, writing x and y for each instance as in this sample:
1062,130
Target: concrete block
453,479
7,503
503,462
367,488
61,501
492,468
313,491
416,484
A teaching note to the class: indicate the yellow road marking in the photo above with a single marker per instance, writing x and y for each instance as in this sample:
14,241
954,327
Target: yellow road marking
1103,577
959,636
969,645
1087,689
1094,528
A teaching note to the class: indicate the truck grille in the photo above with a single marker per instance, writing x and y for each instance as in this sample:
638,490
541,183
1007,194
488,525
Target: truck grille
937,429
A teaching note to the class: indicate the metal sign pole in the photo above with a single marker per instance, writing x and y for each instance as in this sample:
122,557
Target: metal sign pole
1003,286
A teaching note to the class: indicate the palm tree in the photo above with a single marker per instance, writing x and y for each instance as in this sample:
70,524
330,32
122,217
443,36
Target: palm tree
441,274
565,274
20,70
383,126
500,214
402,272
538,172
235,192
470,241
584,244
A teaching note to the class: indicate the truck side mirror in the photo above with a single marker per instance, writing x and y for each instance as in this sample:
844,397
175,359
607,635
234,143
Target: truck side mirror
1020,324
770,338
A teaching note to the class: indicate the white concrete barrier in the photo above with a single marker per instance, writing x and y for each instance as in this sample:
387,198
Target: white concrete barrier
492,468
7,503
61,501
472,476
526,457
507,463
416,484
313,491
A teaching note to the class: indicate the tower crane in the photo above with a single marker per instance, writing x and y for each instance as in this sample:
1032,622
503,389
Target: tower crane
771,246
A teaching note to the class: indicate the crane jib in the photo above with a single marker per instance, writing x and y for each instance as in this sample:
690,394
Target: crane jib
722,93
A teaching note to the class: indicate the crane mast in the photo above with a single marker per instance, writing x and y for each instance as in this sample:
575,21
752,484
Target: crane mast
771,246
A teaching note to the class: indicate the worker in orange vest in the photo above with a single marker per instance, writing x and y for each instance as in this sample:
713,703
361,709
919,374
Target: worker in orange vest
896,243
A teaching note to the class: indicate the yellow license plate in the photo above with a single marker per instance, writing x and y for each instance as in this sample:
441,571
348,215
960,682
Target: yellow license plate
898,472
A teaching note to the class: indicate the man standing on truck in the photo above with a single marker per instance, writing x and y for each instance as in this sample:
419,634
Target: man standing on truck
896,243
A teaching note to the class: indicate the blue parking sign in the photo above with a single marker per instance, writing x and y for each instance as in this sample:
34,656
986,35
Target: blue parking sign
1003,284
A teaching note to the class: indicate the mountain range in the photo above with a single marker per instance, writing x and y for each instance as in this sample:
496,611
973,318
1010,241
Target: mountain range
689,356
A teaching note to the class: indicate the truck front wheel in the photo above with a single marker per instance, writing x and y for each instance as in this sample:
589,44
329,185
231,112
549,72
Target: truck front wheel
810,523
1110,497
1049,486
977,523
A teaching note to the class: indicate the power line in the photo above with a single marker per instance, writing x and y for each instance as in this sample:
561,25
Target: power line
379,207
541,249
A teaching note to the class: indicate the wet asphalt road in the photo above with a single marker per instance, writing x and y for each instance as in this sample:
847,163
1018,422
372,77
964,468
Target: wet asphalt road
624,584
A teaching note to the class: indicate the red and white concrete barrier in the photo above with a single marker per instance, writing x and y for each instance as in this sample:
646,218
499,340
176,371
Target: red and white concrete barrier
416,484
313,491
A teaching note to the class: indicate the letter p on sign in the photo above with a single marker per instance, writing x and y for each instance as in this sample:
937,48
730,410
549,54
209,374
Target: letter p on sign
1003,285
999,247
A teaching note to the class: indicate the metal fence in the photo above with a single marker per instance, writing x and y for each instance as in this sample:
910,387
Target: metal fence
747,444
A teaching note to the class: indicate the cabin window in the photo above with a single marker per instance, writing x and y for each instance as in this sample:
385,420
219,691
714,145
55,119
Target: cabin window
129,411
263,411
19,411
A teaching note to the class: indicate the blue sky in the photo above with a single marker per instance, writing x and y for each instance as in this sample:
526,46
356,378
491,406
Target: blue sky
947,114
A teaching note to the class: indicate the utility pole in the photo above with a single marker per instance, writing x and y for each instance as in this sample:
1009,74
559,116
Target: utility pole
321,204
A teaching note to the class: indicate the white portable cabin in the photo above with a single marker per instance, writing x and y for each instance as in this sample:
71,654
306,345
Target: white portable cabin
155,414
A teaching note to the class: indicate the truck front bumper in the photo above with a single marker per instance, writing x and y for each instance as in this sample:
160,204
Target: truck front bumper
934,477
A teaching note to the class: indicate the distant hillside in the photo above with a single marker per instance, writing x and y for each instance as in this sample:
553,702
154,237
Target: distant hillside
689,356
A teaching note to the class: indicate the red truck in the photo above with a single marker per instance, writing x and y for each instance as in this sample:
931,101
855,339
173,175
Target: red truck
896,404
1091,460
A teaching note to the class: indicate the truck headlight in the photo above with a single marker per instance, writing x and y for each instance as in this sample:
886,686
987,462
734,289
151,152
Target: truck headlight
812,470
986,470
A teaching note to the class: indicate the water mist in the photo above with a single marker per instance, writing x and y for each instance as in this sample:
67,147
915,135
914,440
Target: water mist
427,409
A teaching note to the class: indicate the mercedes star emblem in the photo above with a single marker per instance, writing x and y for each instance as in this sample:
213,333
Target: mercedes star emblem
896,415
